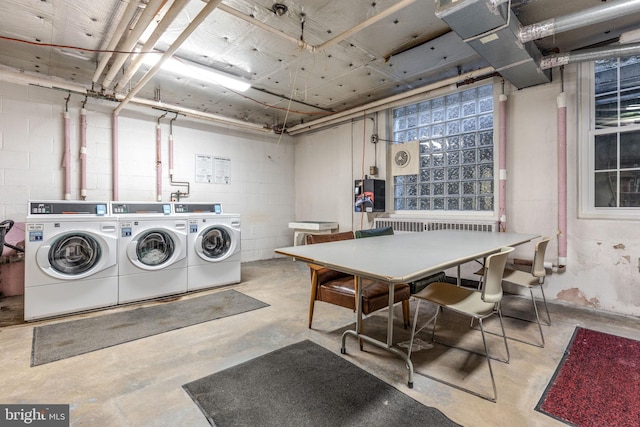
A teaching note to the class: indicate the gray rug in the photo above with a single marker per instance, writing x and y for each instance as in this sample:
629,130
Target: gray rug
305,384
61,340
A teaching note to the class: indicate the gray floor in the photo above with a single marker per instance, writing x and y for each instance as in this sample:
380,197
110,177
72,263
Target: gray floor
139,383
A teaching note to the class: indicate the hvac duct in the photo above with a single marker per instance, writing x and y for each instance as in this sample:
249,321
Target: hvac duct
491,29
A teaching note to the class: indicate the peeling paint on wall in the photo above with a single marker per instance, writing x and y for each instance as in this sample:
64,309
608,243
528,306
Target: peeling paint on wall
574,296
619,246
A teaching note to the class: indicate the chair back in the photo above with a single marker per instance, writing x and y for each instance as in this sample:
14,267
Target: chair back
323,238
382,231
537,269
494,269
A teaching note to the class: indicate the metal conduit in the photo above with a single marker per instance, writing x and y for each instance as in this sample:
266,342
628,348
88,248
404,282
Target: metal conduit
594,15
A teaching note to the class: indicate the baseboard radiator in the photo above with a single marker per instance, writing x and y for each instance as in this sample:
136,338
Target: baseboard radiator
417,225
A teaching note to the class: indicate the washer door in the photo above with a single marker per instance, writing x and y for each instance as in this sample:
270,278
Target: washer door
75,255
155,249
216,243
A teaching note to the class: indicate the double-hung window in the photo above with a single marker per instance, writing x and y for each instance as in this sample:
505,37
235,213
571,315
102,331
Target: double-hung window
613,154
456,152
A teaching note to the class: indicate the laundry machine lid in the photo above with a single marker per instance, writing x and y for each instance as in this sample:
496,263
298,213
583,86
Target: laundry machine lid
216,243
155,247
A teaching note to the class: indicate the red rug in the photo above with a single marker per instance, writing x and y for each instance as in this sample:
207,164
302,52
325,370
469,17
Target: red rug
597,383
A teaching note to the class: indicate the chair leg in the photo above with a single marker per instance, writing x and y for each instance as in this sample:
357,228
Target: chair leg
535,310
544,299
406,313
486,350
413,329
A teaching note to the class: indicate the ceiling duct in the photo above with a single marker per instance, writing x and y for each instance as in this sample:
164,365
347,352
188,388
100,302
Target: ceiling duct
491,29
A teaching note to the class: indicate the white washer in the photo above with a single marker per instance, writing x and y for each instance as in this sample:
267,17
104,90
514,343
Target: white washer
70,258
213,245
152,251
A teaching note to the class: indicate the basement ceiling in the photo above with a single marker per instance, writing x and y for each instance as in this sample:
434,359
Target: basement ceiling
318,58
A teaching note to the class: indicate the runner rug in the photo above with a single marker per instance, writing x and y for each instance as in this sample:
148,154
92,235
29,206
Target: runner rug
305,384
597,382
66,339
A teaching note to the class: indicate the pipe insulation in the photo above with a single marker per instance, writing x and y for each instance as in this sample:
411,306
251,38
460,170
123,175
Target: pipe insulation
585,55
66,159
562,179
193,25
158,162
502,141
602,13
83,154
114,148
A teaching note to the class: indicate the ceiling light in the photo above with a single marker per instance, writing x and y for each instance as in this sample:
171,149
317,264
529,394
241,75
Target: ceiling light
195,71
279,9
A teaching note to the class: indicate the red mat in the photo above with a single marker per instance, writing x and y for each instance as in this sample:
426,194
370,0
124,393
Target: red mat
597,383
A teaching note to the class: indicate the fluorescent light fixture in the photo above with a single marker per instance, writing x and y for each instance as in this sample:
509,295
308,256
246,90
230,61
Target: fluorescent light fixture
189,69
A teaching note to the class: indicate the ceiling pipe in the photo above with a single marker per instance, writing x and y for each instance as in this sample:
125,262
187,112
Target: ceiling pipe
594,15
619,51
163,25
115,37
146,20
193,25
384,103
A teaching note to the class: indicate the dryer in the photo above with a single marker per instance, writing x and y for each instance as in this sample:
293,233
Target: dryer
213,254
152,251
70,258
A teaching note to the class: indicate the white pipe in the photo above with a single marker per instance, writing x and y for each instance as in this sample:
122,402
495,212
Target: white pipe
66,161
158,162
115,38
385,103
83,154
193,25
167,19
143,23
114,145
594,15
502,144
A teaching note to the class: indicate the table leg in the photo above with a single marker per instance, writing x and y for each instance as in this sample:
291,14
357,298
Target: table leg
361,337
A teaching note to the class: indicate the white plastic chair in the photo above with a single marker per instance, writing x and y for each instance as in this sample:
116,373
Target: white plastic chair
478,304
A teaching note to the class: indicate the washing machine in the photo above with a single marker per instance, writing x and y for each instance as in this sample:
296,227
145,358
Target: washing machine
70,258
213,255
152,251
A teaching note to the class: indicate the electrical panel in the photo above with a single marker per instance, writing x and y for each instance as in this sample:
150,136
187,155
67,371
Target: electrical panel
369,195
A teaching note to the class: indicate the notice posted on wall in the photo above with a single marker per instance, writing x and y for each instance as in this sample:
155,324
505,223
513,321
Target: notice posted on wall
213,169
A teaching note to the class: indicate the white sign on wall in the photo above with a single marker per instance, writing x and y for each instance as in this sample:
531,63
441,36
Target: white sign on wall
213,169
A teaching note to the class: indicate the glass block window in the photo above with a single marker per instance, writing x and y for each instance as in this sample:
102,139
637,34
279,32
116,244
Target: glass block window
615,134
456,152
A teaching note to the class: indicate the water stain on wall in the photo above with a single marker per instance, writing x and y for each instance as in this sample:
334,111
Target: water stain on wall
576,297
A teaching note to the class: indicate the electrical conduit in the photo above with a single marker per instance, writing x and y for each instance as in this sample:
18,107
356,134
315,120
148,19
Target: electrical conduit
562,179
83,153
66,161
114,141
159,161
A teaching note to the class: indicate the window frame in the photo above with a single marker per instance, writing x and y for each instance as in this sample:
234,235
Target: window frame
587,133
475,215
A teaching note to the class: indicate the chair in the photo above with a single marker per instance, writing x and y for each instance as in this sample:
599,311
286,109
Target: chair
339,288
478,304
530,280
372,232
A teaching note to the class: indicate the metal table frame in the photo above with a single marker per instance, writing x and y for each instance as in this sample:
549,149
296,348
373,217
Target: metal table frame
401,258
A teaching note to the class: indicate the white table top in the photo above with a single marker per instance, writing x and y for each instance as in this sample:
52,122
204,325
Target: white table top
403,258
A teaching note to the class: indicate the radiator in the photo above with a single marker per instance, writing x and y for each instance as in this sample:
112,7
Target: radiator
419,225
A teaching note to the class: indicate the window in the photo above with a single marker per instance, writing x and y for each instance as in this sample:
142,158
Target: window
615,134
456,154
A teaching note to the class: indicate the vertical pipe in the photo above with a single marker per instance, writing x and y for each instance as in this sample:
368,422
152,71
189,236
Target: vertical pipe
114,141
562,178
83,154
502,141
158,163
66,162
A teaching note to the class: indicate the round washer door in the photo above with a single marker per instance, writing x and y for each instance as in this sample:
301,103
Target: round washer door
154,249
216,243
74,255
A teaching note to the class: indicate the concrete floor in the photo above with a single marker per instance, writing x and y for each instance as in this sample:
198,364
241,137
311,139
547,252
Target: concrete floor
140,383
